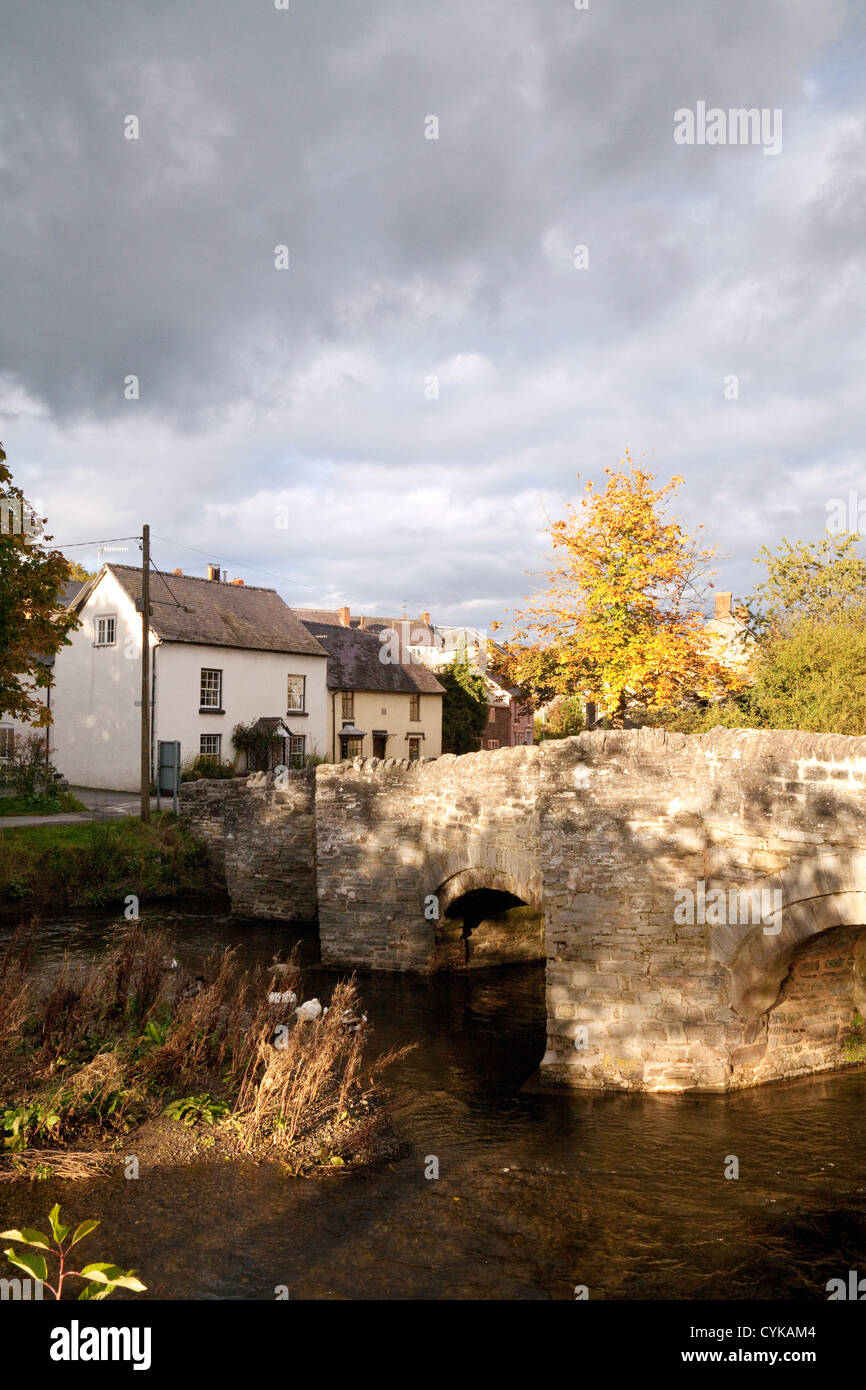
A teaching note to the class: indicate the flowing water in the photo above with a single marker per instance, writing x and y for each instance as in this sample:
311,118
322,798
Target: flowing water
538,1191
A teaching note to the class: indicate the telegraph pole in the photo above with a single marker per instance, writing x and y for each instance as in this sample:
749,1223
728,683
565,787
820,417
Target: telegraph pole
145,673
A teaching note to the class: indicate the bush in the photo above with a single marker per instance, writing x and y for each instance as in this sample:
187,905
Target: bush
205,766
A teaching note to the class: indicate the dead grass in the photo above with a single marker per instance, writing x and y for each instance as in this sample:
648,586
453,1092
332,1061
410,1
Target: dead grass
112,1043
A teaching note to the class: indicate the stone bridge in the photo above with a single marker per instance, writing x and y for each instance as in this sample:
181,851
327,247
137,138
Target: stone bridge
698,900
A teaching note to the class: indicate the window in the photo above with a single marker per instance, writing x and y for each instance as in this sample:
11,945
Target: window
414,707
105,630
414,749
211,689
210,745
348,704
352,747
7,742
296,694
493,743
296,750
491,717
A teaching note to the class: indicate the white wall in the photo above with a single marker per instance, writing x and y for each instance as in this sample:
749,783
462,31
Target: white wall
97,714
96,738
253,684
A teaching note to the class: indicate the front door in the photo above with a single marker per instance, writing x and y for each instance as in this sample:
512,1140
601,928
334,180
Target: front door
380,742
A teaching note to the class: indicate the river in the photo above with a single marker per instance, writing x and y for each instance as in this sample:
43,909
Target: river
539,1192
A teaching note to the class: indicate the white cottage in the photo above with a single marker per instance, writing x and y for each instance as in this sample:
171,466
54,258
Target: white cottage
222,654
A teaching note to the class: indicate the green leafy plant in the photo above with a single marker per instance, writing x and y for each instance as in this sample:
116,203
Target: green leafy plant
854,1042
189,1110
25,1122
101,1278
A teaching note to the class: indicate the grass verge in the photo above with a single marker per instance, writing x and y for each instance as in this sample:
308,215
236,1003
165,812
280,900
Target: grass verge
98,863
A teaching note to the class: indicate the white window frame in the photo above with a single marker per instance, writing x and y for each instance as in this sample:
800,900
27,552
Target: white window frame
415,704
416,739
302,707
297,749
100,627
219,746
9,740
492,743
204,690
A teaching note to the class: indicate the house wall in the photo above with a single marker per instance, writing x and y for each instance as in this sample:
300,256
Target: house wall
21,730
254,684
369,715
96,689
96,699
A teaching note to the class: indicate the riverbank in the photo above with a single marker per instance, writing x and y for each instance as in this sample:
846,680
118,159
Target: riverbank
131,1055
99,864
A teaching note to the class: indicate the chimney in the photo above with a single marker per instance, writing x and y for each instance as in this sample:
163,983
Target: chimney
236,581
343,615
723,605
425,618
213,573
178,574
362,621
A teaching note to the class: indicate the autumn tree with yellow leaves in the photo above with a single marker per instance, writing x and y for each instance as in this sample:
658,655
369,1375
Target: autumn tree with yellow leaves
621,620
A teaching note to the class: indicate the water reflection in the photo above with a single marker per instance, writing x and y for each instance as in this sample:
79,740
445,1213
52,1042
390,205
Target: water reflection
538,1191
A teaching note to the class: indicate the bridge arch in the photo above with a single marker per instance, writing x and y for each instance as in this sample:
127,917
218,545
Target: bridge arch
818,893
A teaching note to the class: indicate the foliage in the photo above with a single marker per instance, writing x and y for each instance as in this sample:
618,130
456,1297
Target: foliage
53,803
101,1279
24,1123
205,765
621,619
125,1039
77,571
854,1042
823,582
810,676
563,719
33,620
189,1110
98,863
464,707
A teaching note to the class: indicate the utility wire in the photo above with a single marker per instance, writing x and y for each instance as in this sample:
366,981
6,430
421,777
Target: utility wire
314,588
77,545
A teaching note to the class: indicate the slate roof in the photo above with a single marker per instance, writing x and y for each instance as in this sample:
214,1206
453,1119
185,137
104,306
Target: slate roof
353,663
331,617
221,615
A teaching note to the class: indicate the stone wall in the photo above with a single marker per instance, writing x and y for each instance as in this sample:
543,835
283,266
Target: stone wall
393,836
603,834
260,836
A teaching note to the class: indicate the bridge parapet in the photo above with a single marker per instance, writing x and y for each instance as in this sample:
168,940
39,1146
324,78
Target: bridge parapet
640,847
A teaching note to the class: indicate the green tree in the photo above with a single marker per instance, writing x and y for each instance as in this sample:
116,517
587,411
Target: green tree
464,707
811,676
33,620
564,718
821,582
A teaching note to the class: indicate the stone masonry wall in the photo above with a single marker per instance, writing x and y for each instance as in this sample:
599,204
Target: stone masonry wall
602,833
260,836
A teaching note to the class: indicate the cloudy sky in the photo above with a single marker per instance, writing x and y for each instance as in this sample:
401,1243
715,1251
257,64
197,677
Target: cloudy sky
287,420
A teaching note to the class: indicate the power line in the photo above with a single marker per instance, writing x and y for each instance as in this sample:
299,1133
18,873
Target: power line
238,564
77,545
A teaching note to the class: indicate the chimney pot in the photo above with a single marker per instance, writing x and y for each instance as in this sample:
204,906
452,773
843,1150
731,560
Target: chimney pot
236,581
343,615
425,618
723,605
178,573
213,573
